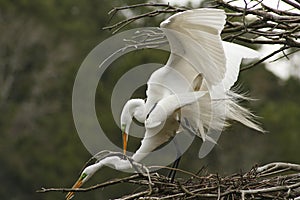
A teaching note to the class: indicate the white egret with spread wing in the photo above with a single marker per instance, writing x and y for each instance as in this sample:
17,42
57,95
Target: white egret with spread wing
192,85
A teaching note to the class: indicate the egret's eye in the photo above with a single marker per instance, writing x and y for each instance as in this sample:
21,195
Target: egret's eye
83,176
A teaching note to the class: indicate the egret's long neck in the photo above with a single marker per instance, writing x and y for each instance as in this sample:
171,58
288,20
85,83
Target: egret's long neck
116,162
133,108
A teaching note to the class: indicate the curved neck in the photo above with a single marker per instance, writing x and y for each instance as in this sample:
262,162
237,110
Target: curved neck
116,162
133,108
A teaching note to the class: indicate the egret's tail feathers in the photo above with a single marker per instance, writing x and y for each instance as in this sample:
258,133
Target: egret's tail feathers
238,113
226,109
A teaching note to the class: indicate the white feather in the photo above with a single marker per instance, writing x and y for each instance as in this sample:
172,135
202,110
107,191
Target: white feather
234,54
194,36
168,105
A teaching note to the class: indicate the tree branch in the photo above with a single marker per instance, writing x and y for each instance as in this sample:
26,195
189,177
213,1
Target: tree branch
119,25
101,185
295,5
264,58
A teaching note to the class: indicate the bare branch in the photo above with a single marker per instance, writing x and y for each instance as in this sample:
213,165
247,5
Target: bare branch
116,9
118,26
270,189
279,12
101,185
264,58
278,165
295,5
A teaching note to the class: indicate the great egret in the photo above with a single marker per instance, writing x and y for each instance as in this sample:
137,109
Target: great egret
199,60
161,124
196,82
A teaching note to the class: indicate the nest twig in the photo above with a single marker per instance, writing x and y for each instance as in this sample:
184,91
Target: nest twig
271,181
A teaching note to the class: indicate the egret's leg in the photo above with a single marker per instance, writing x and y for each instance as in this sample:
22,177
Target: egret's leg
175,164
172,172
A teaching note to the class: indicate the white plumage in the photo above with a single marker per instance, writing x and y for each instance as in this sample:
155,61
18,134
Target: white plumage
199,61
193,88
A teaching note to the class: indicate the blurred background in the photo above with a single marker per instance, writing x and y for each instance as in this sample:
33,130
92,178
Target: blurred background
42,45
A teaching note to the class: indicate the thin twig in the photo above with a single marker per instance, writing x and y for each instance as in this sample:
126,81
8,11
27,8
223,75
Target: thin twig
295,5
101,185
270,189
176,169
264,58
119,25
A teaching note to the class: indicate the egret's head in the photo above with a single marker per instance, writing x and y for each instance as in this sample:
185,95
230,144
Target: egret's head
126,120
87,173
132,108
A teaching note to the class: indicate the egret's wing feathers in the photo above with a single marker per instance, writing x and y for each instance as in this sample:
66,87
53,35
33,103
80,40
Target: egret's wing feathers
206,19
168,105
234,54
194,36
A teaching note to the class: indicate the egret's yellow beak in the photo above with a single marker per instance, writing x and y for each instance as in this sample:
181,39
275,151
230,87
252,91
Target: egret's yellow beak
78,184
125,139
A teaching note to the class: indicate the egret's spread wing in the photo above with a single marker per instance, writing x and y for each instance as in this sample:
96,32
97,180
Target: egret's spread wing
234,54
168,105
195,41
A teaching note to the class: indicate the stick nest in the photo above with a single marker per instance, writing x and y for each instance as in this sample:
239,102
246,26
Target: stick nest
272,181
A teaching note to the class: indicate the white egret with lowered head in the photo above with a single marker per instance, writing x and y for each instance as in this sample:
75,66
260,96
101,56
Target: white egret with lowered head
192,91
